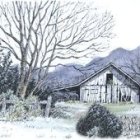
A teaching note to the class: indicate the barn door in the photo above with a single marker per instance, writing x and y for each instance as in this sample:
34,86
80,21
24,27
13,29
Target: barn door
109,93
86,95
94,94
120,96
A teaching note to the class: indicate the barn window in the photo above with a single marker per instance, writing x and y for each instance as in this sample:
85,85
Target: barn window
109,78
94,91
87,91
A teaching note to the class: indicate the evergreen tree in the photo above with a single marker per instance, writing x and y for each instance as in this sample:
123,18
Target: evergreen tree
5,64
13,78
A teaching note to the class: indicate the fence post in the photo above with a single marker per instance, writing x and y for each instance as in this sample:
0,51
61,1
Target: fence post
4,105
48,106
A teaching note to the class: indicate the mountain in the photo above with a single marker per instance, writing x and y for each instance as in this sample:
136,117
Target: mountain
117,57
122,58
73,73
65,75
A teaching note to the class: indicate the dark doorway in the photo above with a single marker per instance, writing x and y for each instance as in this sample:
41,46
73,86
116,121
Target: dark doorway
109,78
120,96
139,94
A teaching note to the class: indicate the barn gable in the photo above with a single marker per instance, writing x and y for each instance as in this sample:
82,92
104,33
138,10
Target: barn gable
109,84
111,66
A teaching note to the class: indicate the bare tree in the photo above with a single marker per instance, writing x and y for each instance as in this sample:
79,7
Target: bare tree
39,34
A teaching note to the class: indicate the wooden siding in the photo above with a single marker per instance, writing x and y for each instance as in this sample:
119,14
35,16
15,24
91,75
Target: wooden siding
96,89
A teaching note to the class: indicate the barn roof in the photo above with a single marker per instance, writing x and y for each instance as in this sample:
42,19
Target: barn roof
99,71
106,67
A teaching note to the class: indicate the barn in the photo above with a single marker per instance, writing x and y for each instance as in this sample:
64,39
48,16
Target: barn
108,85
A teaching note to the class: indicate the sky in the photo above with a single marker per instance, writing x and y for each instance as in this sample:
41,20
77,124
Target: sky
126,15
127,22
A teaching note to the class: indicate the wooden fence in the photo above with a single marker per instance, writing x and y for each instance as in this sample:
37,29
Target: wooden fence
47,103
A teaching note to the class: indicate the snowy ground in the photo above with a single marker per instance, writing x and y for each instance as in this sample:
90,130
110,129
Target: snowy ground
38,128
51,128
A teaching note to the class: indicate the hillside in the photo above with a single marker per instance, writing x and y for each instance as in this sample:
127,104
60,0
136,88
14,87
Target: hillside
73,73
121,58
65,76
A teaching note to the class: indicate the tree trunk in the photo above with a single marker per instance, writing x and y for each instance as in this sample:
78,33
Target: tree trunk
26,83
21,89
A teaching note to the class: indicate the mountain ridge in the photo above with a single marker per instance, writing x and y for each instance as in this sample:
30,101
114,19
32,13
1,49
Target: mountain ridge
73,73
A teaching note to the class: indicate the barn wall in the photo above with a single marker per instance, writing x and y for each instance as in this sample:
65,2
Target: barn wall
96,90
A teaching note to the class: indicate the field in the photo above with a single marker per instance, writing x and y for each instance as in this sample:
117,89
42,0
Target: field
62,127
121,107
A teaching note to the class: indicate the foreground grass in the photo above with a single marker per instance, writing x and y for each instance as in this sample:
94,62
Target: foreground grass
116,108
63,126
120,107
128,113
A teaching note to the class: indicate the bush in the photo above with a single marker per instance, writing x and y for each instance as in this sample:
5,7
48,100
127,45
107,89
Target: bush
23,109
33,109
59,112
57,96
98,116
63,96
82,128
16,112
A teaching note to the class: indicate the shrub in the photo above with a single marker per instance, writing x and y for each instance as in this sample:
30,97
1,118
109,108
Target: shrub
32,106
23,109
98,116
63,96
17,111
59,112
83,126
110,126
